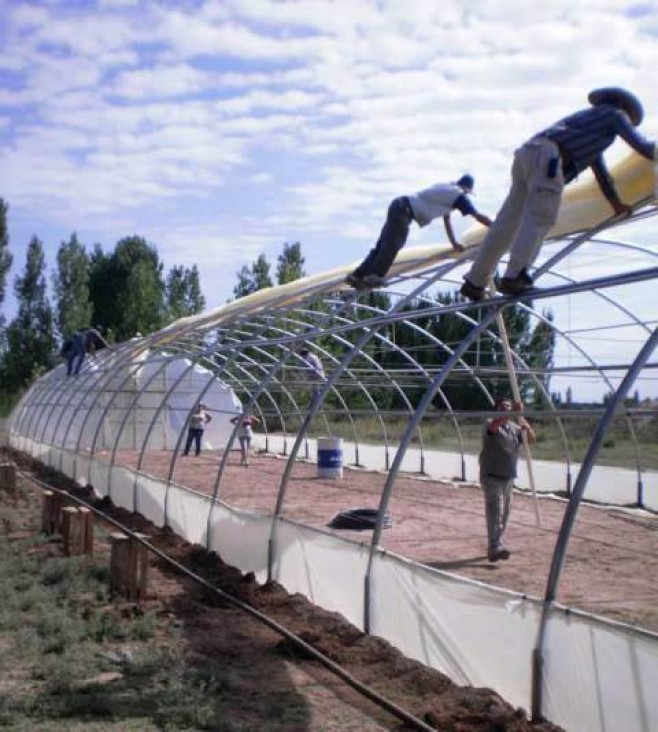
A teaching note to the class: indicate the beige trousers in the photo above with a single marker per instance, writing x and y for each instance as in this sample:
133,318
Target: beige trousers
528,213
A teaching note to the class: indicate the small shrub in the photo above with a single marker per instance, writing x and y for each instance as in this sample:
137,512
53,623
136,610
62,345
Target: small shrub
56,572
99,573
105,626
32,600
143,628
58,631
58,674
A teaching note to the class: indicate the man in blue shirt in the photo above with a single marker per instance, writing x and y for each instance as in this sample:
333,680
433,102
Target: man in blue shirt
422,207
83,341
541,169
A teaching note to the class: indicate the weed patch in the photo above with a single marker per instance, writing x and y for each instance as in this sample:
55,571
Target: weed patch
56,621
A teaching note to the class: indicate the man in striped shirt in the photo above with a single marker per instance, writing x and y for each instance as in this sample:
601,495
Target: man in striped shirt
541,169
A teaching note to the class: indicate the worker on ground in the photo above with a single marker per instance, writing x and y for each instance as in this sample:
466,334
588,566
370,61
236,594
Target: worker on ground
501,440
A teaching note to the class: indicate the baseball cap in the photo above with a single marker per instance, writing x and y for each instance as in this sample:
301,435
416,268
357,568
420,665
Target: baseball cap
466,182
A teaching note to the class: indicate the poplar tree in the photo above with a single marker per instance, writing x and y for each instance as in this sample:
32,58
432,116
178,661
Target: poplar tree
73,306
260,273
127,289
254,278
5,266
290,263
183,292
30,338
244,283
5,255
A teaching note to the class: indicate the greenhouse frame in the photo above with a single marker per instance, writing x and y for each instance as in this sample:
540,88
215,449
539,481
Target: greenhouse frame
392,384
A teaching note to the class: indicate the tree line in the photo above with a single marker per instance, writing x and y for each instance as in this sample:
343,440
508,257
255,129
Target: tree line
125,291
289,267
402,344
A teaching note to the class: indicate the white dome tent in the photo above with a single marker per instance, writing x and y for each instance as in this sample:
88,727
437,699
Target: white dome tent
114,408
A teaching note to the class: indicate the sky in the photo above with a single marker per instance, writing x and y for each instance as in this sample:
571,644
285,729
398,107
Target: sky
219,130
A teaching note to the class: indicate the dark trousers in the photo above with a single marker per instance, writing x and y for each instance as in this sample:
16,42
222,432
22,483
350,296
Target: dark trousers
193,435
392,238
74,362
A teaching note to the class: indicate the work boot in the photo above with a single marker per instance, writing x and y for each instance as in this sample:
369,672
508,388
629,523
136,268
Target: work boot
373,280
471,291
493,555
355,281
516,285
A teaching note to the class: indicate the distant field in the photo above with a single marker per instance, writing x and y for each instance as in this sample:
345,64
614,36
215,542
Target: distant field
619,448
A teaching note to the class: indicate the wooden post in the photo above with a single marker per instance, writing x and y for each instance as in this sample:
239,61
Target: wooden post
45,512
87,521
138,568
8,478
48,519
119,543
59,502
77,531
128,567
70,531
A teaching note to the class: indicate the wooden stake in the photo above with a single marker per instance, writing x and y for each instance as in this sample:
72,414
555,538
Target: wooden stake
8,478
87,521
142,568
119,543
48,518
70,532
128,567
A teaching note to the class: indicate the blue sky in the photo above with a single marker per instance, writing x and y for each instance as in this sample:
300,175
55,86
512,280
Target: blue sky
219,130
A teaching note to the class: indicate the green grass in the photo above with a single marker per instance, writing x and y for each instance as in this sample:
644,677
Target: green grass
60,630
618,447
56,626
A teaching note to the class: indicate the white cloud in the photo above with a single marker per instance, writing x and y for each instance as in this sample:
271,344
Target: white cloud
26,17
117,4
168,81
226,39
220,130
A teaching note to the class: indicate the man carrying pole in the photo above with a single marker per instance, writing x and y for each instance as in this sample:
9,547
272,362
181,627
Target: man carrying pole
501,441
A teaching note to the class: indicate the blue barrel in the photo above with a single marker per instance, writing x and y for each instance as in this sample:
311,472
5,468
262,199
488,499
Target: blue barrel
330,457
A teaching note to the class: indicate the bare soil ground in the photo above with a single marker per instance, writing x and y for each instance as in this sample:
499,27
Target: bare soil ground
611,566
246,677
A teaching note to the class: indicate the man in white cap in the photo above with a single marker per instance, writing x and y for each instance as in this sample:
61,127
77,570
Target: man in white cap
422,207
541,169
314,369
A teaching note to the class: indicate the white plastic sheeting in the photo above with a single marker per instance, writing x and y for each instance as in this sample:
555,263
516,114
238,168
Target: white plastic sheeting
149,495
329,572
101,412
598,676
475,634
187,514
240,538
